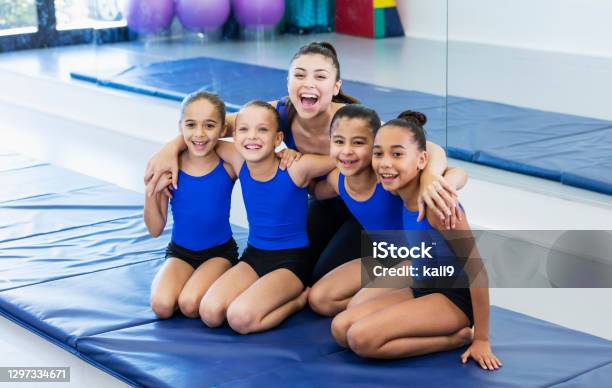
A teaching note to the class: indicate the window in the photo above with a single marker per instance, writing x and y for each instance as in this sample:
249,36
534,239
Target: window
28,24
18,17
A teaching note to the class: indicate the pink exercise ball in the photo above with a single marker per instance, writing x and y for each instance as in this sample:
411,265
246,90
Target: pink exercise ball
149,16
202,15
259,13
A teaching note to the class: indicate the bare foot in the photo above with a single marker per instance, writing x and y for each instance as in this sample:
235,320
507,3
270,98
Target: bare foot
462,337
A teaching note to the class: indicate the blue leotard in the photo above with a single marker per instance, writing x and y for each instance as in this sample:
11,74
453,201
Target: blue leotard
282,108
276,211
201,208
442,254
382,211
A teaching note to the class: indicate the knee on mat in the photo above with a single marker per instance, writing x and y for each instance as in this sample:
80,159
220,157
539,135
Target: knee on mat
320,301
242,319
163,307
212,313
189,305
361,342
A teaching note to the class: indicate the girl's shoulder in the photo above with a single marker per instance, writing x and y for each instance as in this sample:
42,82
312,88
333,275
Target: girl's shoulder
229,170
333,178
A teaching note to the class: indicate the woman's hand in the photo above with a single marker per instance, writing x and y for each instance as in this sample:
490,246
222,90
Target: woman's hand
480,351
165,161
288,156
438,195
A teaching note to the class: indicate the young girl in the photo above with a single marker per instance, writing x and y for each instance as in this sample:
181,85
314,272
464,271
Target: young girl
411,322
315,94
202,247
355,181
267,285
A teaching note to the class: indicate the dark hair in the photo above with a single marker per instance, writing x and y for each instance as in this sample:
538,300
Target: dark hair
204,95
414,122
265,105
327,50
358,111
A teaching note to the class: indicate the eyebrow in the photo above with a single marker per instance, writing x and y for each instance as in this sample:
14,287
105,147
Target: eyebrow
302,69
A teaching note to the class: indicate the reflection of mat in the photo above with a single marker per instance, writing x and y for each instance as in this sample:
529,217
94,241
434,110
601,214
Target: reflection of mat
76,265
573,150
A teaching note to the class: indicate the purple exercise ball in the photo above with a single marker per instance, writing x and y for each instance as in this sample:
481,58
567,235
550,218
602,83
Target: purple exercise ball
200,15
149,16
259,13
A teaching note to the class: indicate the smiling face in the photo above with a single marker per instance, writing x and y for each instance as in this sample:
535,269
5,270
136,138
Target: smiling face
201,126
256,134
312,84
397,159
351,145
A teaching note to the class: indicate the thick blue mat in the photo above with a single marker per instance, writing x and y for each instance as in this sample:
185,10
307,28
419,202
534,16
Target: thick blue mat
81,279
544,144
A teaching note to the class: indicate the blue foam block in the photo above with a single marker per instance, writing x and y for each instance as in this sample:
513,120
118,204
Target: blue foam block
534,353
48,213
182,352
552,157
40,180
87,304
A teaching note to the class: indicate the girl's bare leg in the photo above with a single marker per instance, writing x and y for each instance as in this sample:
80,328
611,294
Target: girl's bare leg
167,286
199,282
428,324
214,304
333,292
343,321
266,303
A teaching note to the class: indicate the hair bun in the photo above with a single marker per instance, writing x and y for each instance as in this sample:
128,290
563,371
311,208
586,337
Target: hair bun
409,115
328,46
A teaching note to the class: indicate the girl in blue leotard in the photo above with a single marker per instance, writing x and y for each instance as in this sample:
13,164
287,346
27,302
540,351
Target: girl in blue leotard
315,93
202,247
355,182
268,284
427,317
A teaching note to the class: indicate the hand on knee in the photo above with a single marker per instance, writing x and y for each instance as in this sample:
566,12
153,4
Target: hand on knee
242,319
163,307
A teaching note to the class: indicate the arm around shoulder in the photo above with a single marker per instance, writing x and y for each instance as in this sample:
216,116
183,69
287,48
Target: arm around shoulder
310,166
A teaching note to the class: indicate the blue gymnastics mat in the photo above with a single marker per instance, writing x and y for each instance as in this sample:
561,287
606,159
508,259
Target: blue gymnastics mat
76,265
570,149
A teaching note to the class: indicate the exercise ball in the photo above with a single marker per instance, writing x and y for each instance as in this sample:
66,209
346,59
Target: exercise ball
202,15
259,13
149,16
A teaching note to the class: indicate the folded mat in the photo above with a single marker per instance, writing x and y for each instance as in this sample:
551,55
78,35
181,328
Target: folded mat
81,279
499,135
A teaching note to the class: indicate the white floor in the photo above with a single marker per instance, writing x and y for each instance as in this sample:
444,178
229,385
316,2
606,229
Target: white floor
112,135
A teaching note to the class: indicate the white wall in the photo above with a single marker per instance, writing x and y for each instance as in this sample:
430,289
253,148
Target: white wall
574,26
